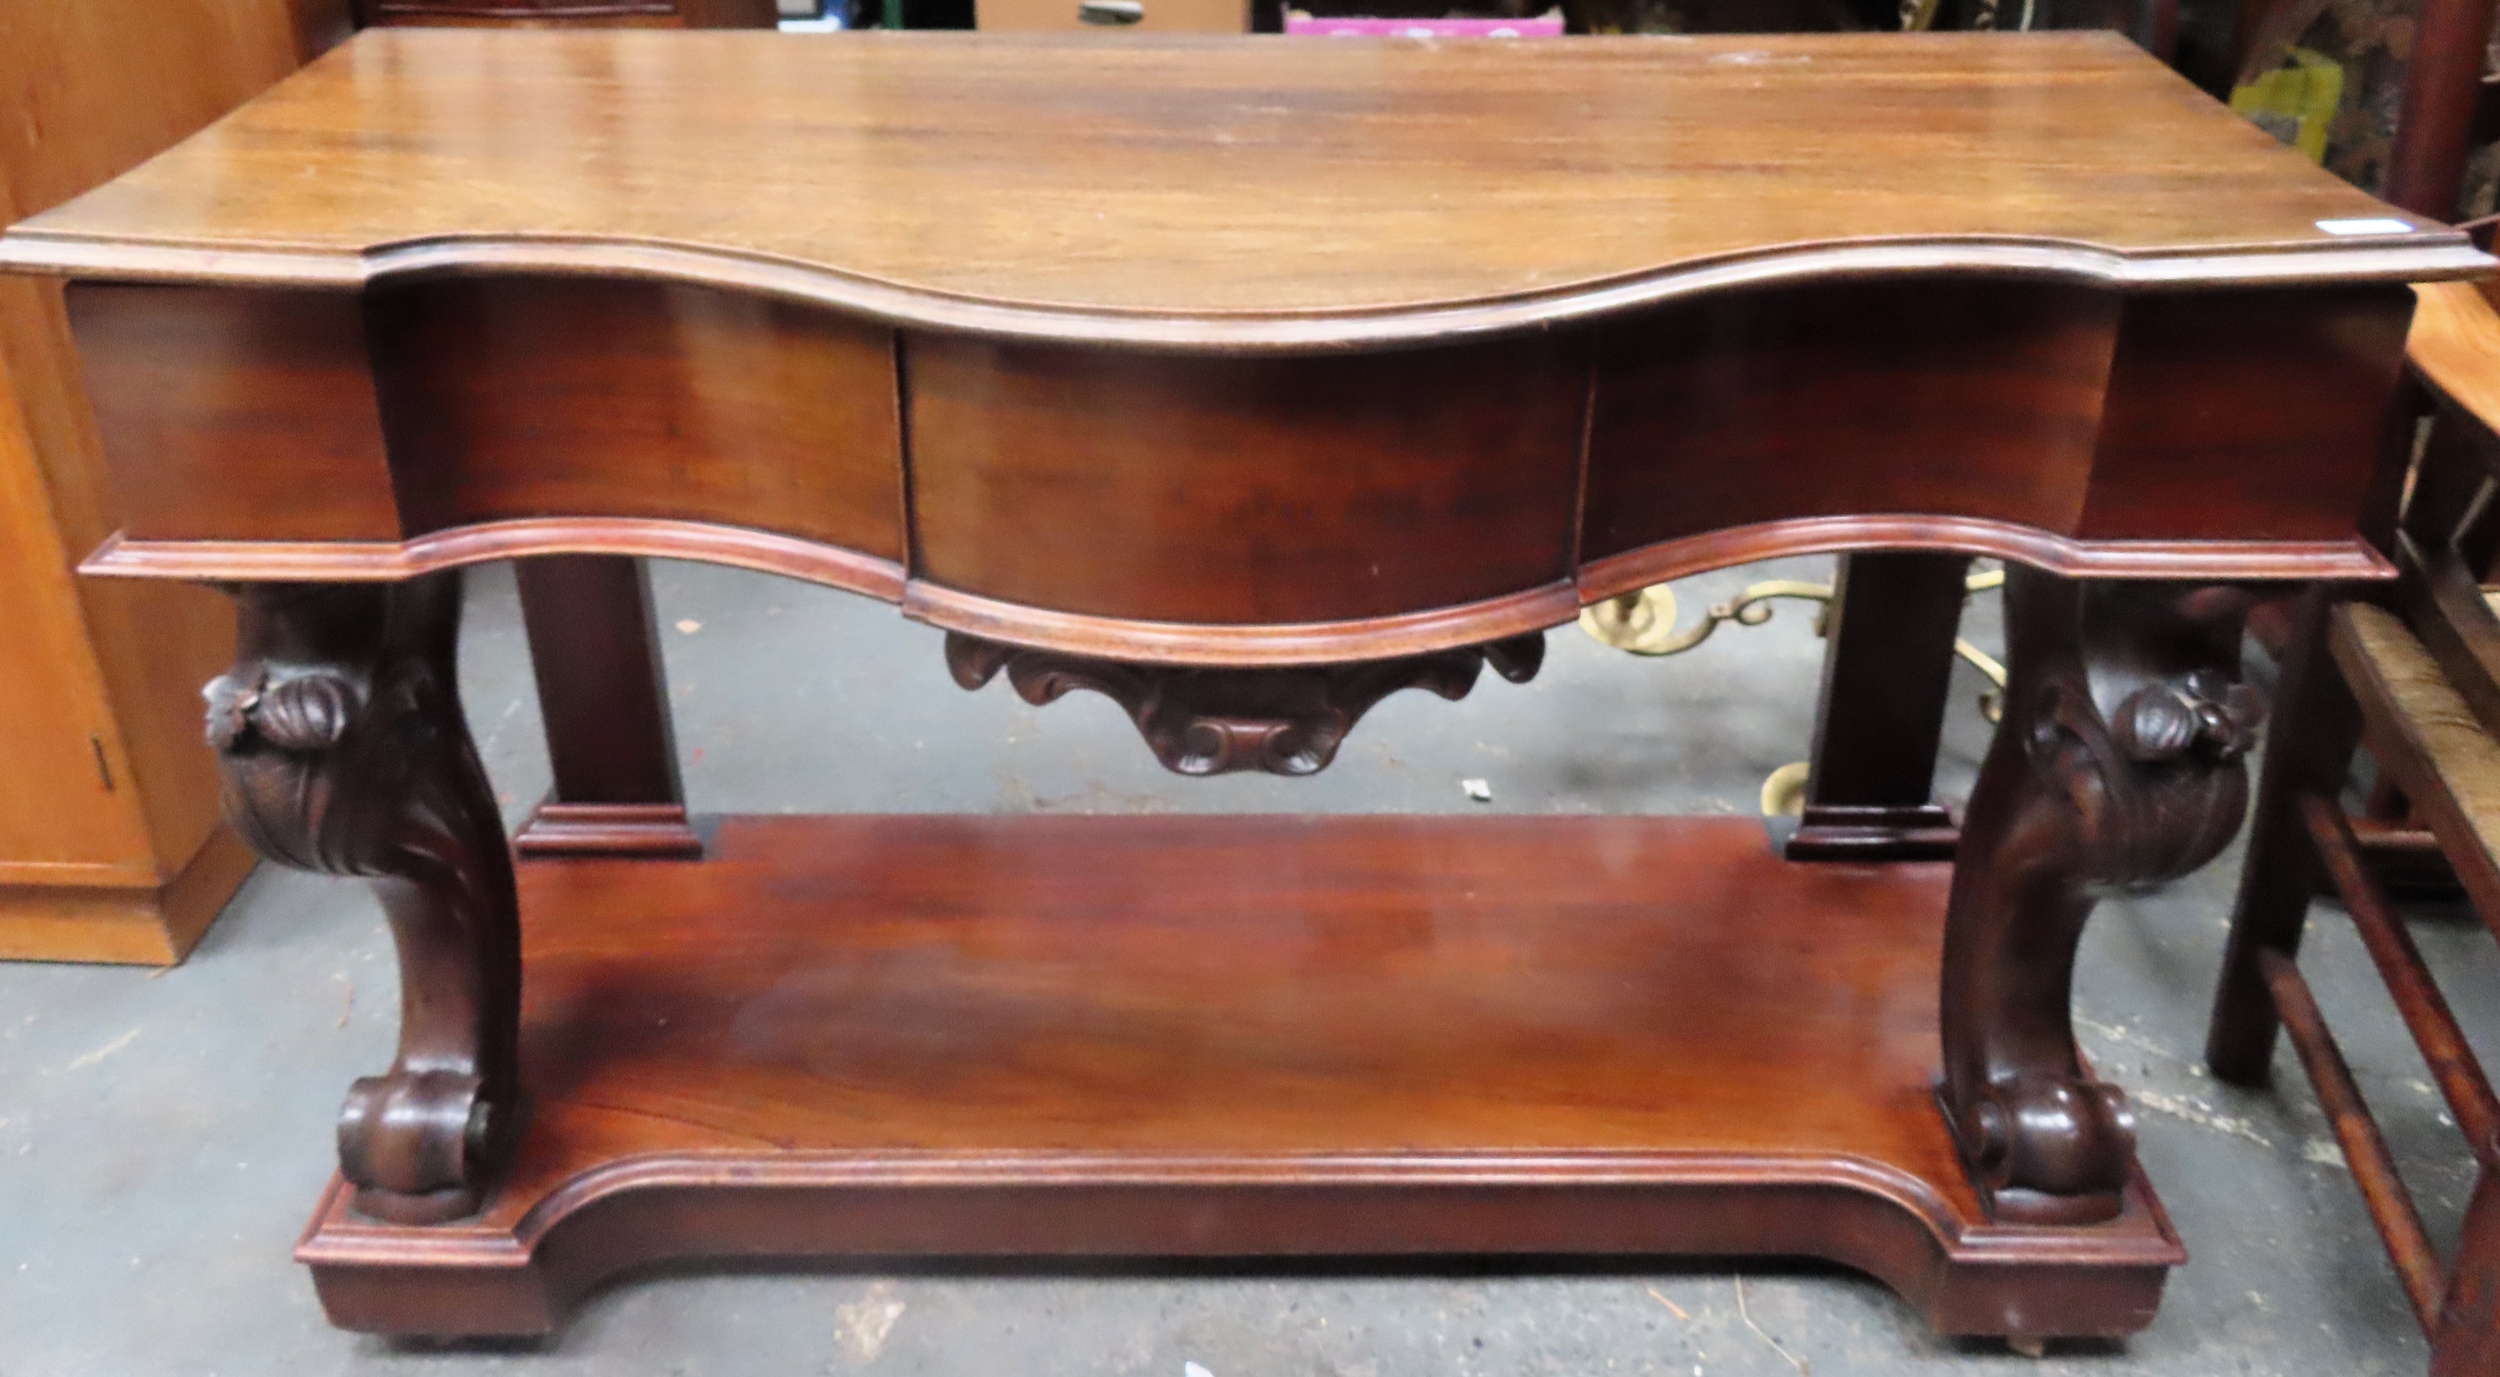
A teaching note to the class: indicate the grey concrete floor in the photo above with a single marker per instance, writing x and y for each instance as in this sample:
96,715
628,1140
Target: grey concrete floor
162,1137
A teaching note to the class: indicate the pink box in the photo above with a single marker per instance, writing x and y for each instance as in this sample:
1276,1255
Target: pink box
1546,25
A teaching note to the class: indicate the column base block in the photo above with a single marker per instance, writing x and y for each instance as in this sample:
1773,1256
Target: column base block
650,831
1886,832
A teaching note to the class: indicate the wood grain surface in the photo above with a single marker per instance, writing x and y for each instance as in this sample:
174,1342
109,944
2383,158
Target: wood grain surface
1888,659
232,412
1245,490
594,641
1230,192
527,398
1767,405
109,844
2455,343
1274,509
1232,1036
2265,404
2107,356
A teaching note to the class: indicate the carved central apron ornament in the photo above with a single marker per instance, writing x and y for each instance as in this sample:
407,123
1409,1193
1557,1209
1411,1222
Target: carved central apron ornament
1213,721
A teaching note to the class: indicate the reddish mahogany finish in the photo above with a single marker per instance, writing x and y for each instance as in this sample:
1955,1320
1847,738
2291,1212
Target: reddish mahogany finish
1224,490
1301,510
228,413
678,402
604,697
1246,382
1880,714
1232,1036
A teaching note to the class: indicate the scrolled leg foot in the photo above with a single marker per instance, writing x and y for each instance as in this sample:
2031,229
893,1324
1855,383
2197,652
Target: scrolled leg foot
340,739
2118,765
417,1143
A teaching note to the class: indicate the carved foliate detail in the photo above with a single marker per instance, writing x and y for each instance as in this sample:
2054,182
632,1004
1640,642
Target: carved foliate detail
2119,764
1287,721
2157,787
339,736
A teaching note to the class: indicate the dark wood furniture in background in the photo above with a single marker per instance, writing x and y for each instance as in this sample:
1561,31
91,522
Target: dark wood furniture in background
2437,102
110,847
1245,382
2418,681
2368,676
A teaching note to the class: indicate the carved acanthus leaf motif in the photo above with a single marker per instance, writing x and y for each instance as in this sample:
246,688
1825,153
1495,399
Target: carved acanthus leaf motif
1287,721
2158,787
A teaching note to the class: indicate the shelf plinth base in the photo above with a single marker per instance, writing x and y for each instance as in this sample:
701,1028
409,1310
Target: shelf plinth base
1233,1037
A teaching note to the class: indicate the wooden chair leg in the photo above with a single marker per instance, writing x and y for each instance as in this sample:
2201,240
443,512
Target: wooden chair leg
2317,728
2467,1342
604,694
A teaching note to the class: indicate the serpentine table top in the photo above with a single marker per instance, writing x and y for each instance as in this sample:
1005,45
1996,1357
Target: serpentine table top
1245,381
1194,196
1219,194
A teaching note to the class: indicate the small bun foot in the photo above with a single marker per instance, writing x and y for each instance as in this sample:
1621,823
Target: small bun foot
433,1207
2061,1211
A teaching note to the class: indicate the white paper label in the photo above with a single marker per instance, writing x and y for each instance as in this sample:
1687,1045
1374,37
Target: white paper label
2378,226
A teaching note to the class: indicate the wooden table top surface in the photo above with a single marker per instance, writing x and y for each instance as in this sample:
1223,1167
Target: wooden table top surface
1281,190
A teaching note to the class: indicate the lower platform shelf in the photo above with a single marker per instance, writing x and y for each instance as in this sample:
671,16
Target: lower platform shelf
1232,1036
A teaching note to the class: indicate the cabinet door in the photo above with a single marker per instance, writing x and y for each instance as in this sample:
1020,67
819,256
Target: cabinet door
67,814
103,780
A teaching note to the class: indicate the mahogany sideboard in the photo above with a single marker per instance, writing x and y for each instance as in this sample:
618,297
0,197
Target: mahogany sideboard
1244,381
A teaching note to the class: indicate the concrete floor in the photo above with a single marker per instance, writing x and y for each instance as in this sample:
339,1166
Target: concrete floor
162,1138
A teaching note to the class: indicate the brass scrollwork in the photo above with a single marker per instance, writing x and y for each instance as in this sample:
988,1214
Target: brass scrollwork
1643,622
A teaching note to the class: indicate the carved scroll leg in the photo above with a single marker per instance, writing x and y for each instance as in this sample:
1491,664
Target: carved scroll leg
340,737
2118,764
